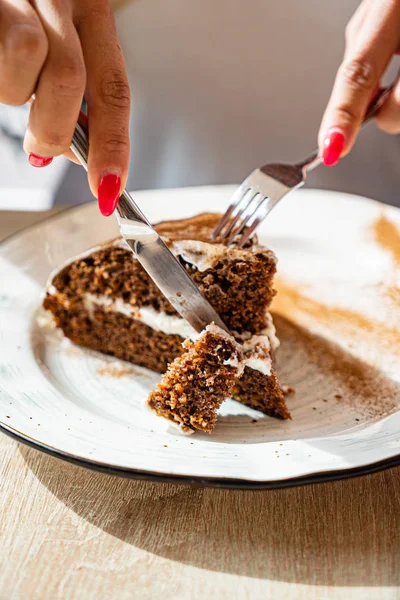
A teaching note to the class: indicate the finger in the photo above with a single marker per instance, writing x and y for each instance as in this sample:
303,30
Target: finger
23,50
83,120
108,100
358,78
59,93
356,22
388,118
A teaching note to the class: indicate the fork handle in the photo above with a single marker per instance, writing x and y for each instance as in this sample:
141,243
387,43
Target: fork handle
314,159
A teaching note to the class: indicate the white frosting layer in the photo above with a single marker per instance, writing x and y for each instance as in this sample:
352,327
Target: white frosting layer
91,301
254,353
168,324
215,330
159,321
257,354
201,255
270,331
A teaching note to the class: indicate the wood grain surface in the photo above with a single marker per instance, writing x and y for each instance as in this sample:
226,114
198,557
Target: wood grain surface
67,533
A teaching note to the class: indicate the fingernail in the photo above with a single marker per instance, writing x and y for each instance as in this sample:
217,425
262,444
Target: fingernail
333,147
108,193
39,161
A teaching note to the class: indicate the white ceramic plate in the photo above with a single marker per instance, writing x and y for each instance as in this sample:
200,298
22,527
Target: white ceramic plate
337,314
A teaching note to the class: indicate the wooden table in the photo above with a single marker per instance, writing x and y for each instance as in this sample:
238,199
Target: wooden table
70,534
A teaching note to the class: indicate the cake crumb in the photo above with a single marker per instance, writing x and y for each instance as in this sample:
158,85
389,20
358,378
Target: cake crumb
287,390
338,396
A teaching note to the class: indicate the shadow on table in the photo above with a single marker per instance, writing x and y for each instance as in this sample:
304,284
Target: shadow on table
341,533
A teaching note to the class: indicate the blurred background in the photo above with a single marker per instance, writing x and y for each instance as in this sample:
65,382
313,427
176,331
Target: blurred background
218,89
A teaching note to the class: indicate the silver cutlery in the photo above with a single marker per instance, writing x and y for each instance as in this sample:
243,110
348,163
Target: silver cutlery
261,191
161,265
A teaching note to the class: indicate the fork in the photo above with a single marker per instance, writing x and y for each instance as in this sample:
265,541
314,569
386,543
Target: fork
265,187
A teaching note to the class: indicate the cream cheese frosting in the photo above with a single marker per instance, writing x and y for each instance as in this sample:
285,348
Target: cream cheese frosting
159,321
201,255
253,353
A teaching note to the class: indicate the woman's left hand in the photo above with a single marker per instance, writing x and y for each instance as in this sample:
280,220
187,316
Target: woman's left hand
372,39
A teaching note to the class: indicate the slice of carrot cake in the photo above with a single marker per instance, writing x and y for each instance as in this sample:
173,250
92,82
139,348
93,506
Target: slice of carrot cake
104,300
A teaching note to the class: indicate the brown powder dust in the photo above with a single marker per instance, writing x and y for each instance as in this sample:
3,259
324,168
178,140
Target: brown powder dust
359,383
387,236
293,302
318,363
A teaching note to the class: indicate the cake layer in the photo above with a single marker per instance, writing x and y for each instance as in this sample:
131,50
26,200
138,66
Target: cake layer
238,283
114,333
262,393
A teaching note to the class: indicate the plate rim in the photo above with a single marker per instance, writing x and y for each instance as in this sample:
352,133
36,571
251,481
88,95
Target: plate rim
209,482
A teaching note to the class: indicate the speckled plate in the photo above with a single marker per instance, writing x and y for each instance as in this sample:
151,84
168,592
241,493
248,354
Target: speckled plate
337,314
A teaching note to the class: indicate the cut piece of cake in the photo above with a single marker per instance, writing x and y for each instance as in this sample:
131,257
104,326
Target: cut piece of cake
198,381
104,300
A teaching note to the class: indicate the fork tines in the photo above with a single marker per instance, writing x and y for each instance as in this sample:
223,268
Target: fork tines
242,216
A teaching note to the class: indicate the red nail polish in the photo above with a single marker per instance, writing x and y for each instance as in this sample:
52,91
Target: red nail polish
333,148
39,161
108,193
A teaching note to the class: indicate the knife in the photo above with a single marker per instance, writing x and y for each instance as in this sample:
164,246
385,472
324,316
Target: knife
154,255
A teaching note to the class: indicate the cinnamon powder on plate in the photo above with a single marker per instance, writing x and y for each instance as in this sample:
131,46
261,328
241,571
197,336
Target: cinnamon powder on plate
387,236
374,342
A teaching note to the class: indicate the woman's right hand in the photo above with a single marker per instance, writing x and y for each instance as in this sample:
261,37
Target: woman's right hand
61,50
372,39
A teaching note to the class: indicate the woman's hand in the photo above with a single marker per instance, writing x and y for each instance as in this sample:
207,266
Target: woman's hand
60,50
372,39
